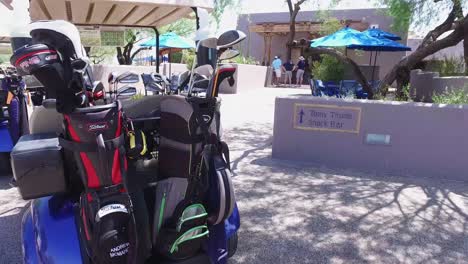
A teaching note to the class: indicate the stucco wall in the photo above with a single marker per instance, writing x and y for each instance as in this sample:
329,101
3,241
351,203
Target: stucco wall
426,140
247,77
425,84
254,44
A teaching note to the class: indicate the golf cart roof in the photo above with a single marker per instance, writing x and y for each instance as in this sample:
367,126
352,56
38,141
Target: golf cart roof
128,13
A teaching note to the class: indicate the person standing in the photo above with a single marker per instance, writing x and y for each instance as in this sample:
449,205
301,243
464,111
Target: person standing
301,65
277,64
288,67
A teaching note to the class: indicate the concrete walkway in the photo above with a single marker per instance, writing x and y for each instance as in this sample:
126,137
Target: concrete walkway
296,213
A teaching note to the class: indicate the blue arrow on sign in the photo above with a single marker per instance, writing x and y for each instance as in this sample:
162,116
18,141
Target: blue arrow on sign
301,115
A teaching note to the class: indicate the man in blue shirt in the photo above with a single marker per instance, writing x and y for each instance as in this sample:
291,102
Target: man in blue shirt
301,65
288,67
276,64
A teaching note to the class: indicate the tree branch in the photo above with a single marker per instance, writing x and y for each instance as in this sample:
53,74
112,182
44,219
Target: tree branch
423,51
357,72
290,6
447,25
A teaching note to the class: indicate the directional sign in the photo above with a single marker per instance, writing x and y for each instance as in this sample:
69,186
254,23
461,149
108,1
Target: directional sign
332,118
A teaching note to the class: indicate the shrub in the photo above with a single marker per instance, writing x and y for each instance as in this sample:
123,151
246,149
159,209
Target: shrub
188,57
244,60
176,57
449,66
456,96
328,69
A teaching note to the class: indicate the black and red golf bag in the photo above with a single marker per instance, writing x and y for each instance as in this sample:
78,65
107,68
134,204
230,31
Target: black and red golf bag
96,137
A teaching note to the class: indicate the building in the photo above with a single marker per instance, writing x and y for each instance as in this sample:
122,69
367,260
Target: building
267,35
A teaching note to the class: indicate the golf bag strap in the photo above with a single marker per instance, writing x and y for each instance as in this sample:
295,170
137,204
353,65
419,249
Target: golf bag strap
225,151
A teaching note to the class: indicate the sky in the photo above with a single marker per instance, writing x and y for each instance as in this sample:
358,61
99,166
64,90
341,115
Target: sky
10,21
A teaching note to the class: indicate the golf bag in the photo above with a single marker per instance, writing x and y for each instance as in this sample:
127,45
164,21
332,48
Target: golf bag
188,158
95,135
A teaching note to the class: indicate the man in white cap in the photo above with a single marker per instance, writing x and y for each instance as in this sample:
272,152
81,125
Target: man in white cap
277,64
301,65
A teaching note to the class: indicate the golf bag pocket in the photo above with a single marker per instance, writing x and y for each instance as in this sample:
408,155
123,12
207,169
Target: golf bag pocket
184,236
95,136
169,193
38,166
108,226
136,144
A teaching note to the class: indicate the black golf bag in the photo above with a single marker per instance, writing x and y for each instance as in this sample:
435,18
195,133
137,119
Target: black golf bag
93,140
190,195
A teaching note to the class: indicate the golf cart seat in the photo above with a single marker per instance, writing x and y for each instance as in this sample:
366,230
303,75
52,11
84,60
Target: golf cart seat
45,120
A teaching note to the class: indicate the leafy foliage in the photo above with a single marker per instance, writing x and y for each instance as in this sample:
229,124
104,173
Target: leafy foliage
219,8
99,55
456,96
176,57
241,59
182,27
402,12
405,94
449,66
329,24
418,13
188,57
328,69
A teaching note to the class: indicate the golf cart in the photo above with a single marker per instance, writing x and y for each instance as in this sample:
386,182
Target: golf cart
137,183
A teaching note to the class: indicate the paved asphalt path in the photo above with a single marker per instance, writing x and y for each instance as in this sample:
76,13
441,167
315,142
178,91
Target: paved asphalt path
305,213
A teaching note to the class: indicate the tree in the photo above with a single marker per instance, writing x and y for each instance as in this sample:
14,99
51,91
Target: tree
412,11
99,55
182,27
124,57
219,8
294,8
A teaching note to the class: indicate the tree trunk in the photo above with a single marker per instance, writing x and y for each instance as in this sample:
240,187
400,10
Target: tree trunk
293,11
292,35
120,57
465,45
357,72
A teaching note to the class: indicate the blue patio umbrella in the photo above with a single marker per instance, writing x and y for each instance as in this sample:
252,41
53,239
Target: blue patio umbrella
344,38
354,39
386,45
169,40
378,33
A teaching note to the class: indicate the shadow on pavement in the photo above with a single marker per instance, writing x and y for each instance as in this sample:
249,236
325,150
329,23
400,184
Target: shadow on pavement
300,213
12,208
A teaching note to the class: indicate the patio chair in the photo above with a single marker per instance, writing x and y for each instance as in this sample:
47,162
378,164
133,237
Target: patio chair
348,88
317,87
353,87
332,88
